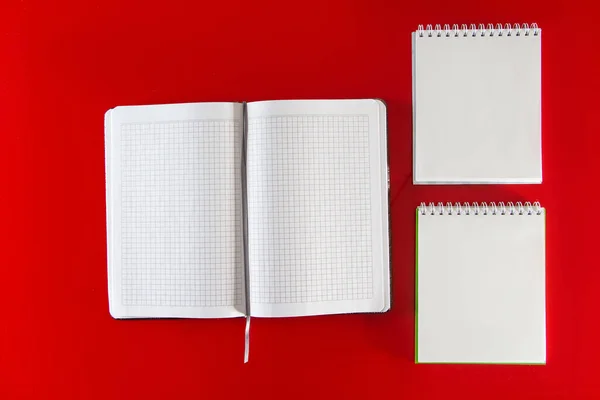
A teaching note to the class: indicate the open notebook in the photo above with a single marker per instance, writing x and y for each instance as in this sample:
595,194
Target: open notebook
477,104
270,209
481,284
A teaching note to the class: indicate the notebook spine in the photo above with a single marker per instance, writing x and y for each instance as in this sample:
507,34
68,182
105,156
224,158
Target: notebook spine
481,209
473,30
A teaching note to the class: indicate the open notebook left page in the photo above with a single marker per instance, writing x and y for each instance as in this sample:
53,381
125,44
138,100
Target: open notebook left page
174,211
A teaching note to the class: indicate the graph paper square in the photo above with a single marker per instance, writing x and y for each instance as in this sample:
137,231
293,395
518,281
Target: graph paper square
309,208
181,213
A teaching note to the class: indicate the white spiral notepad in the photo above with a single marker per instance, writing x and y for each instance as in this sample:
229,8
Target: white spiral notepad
480,272
477,104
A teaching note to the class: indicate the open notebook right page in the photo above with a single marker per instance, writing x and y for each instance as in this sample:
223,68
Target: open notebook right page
317,207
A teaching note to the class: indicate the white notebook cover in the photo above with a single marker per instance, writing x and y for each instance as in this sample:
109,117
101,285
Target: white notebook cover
477,104
480,284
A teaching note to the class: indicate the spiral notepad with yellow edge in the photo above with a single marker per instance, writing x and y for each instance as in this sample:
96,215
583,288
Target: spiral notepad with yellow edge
480,283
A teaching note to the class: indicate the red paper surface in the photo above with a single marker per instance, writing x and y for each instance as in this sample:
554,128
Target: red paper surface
65,63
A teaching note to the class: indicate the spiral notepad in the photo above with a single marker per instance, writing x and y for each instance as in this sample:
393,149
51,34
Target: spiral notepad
477,104
480,283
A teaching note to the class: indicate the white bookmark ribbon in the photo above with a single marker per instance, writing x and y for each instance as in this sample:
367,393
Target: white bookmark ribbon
247,340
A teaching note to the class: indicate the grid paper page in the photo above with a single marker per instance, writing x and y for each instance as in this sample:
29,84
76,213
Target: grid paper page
180,214
309,209
310,231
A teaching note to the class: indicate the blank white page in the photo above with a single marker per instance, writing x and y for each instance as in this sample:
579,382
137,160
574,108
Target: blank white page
477,106
317,207
174,210
481,286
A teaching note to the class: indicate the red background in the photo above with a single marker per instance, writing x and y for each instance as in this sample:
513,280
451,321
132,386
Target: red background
65,63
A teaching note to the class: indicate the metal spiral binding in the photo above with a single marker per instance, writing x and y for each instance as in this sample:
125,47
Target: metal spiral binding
481,209
480,30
